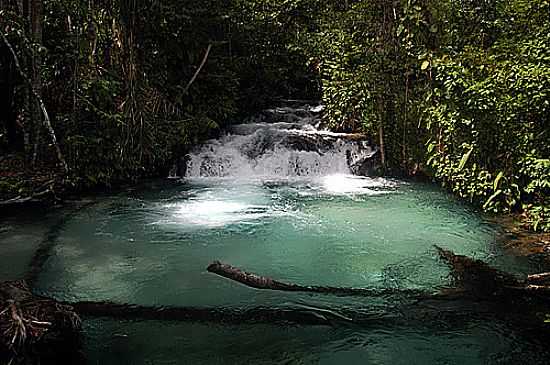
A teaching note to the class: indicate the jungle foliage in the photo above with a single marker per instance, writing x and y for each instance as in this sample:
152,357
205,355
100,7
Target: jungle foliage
130,85
459,89
456,89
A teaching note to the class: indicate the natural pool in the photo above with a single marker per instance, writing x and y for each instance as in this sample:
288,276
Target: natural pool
151,245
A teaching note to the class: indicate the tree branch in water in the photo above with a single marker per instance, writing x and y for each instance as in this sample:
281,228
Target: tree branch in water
262,282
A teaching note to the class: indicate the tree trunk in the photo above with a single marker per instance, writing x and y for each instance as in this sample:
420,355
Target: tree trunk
382,146
8,83
40,102
36,12
8,117
262,282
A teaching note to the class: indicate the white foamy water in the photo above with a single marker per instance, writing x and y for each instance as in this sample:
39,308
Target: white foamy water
216,213
283,148
281,143
222,203
349,184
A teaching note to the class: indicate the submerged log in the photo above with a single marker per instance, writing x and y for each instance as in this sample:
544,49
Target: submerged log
423,313
477,276
28,321
224,315
262,282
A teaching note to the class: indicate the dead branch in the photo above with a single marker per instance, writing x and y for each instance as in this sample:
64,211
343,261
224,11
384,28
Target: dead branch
199,69
262,282
44,190
26,319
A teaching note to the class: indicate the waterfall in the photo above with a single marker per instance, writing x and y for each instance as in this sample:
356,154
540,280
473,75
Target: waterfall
285,142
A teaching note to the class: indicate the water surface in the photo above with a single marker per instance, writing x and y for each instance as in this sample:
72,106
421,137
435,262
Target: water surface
276,197
151,246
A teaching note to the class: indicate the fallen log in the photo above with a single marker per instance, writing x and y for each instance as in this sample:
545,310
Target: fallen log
538,278
471,277
413,313
429,311
280,315
262,282
44,250
477,276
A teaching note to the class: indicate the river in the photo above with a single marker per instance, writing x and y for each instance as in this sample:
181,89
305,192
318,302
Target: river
276,196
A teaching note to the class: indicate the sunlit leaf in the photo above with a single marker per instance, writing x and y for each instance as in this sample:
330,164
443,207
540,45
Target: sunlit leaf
464,159
491,198
497,180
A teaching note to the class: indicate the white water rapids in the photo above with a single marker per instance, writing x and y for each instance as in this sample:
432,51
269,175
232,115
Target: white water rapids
284,148
280,143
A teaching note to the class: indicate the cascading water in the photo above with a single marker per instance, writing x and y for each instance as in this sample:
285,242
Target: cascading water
280,197
281,143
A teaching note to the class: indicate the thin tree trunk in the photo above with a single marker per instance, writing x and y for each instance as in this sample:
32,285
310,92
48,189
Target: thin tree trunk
37,135
7,100
20,6
199,69
36,94
36,79
382,146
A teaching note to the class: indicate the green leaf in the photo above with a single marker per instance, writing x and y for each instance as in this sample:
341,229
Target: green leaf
400,29
491,198
497,180
425,65
464,159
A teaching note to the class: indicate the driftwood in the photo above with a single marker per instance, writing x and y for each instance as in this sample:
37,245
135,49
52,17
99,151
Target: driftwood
477,278
28,321
539,278
262,282
43,193
475,275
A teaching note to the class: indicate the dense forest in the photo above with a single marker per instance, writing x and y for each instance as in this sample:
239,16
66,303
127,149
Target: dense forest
95,93
274,181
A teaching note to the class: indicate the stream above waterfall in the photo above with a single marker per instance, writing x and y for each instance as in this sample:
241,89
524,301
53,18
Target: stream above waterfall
277,197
